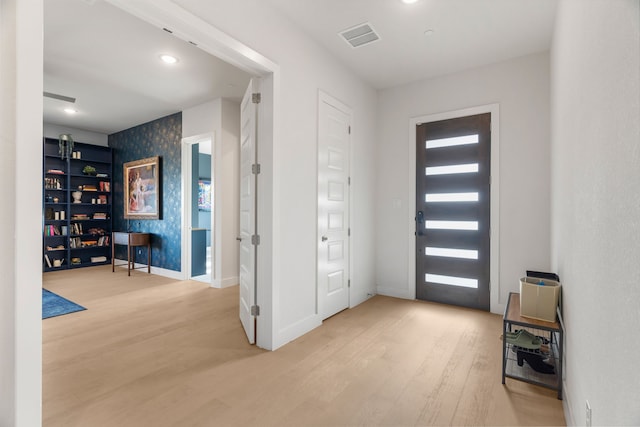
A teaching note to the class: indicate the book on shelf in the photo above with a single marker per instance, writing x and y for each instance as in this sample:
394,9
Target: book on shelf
55,171
100,215
102,175
52,230
103,241
76,228
52,184
89,188
102,199
98,259
105,186
46,258
79,216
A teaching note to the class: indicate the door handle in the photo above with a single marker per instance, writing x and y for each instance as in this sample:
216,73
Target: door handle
419,222
239,239
325,238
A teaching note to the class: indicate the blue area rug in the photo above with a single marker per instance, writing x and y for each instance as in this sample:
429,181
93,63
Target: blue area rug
54,305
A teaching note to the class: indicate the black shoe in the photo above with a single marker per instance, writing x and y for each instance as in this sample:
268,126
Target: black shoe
536,362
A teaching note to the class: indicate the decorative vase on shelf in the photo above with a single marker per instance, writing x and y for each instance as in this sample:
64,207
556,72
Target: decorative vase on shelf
65,145
77,195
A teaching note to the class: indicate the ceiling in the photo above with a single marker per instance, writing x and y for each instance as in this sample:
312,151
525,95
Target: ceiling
109,60
466,34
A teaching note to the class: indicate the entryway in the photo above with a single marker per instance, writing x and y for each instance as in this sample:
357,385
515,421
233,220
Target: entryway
199,209
453,211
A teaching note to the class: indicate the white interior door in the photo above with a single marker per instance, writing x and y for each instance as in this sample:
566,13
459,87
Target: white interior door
333,207
248,186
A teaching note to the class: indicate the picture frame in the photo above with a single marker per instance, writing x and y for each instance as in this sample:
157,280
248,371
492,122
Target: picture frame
204,194
142,188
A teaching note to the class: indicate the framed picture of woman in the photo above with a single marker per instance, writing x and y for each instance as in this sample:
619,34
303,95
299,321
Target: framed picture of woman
142,188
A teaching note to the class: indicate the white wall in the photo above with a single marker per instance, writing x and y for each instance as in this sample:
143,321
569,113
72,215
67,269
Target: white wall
20,214
221,117
521,88
94,138
595,77
230,189
304,68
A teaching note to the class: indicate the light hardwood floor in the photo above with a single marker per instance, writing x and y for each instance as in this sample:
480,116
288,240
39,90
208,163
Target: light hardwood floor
151,351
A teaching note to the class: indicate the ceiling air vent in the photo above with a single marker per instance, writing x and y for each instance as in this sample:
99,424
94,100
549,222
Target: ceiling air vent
360,35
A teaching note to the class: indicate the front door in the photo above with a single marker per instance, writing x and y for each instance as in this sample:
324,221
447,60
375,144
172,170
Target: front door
453,174
333,207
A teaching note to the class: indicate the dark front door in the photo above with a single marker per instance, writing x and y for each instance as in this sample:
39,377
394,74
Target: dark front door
453,174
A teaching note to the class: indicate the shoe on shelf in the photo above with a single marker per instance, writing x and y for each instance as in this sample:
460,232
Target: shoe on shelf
536,362
542,351
514,335
523,339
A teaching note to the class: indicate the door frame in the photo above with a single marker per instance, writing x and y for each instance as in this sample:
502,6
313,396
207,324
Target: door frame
494,282
335,103
191,28
187,208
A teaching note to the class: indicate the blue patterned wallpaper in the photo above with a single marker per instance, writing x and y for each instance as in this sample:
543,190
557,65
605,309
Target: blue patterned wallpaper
161,137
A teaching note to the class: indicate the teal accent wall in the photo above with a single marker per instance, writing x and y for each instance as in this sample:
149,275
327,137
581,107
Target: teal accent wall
161,137
204,165
204,172
195,173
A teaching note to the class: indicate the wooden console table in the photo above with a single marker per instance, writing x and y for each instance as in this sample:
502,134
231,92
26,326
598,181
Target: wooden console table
130,240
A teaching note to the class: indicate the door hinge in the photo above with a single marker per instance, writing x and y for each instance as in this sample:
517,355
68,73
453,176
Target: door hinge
255,239
349,130
255,168
349,231
256,98
349,283
349,181
255,310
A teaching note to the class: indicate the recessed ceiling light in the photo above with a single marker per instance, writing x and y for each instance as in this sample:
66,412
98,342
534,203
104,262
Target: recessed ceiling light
168,59
429,33
409,1
70,111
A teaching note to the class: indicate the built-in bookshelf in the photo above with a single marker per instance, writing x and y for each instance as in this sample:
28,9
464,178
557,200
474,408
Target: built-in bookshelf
76,206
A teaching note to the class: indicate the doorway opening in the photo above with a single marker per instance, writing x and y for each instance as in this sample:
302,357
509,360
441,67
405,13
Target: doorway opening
200,242
192,29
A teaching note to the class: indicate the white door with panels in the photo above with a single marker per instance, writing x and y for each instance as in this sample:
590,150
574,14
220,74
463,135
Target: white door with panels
248,238
334,134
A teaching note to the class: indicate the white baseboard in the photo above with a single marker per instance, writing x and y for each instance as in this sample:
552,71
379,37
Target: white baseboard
230,281
358,298
395,293
566,405
296,330
171,274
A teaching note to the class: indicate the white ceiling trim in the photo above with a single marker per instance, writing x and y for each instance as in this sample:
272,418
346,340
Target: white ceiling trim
186,26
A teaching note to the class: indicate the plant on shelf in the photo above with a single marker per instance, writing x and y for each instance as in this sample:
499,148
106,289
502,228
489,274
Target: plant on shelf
89,170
